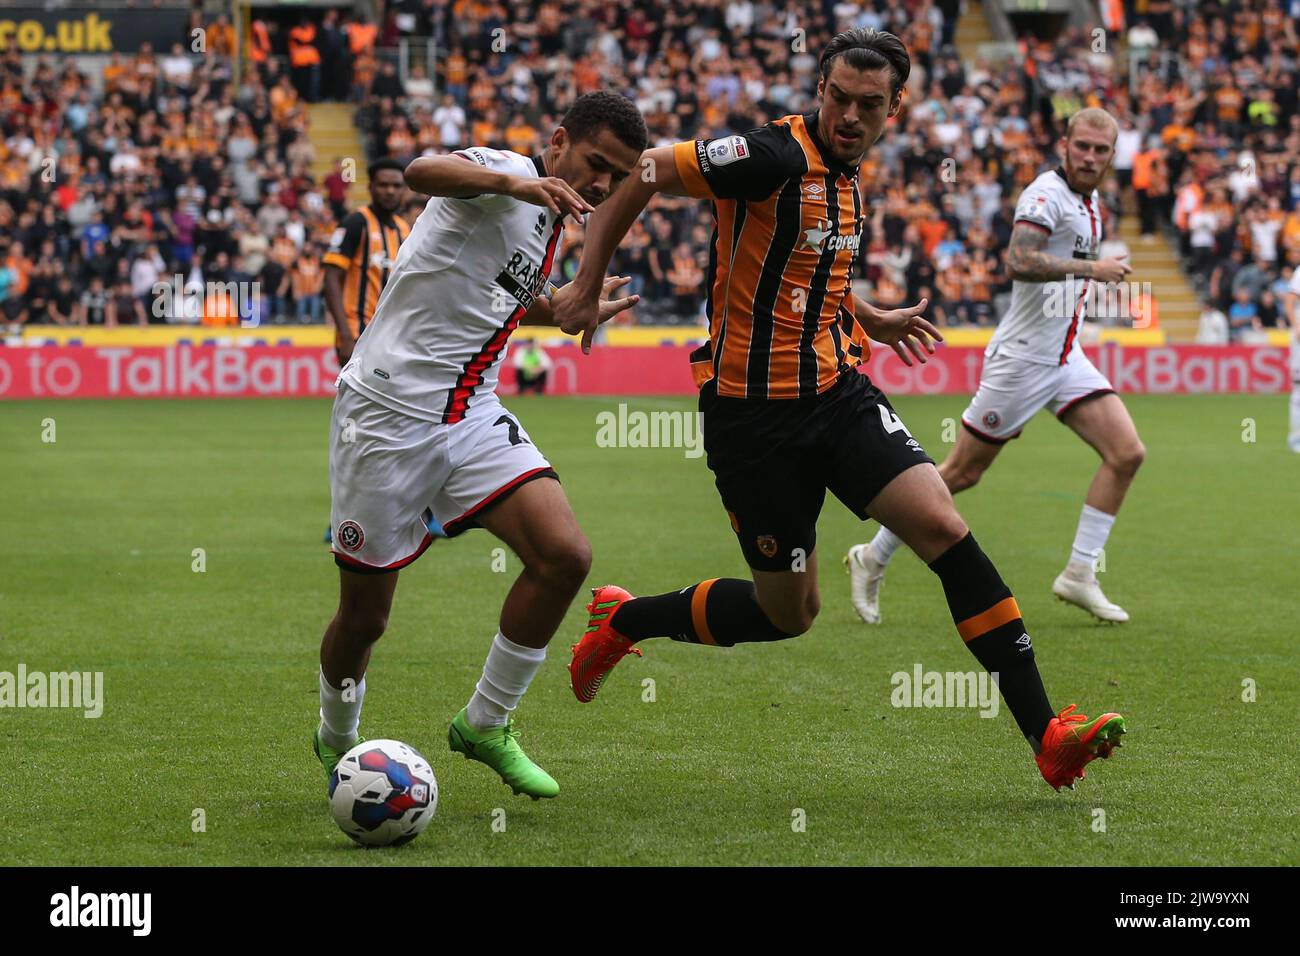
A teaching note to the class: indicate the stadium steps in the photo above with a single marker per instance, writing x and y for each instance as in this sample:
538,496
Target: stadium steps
1177,307
1177,304
973,30
334,135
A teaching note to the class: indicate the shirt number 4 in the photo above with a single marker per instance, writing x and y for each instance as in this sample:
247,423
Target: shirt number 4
891,421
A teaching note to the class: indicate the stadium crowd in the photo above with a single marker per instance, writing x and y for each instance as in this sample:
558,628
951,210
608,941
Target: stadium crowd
174,168
171,169
1208,141
1218,159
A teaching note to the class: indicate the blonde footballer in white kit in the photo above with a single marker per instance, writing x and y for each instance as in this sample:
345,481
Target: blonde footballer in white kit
1035,361
418,432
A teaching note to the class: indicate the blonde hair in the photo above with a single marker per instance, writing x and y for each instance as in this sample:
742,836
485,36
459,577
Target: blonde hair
1095,117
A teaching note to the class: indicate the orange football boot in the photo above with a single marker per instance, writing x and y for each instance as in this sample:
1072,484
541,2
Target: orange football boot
1072,740
601,646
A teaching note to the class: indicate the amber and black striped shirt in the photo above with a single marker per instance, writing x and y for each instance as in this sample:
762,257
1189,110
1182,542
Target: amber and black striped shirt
788,222
364,246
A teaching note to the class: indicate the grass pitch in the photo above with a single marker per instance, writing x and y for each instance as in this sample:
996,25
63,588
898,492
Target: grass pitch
210,677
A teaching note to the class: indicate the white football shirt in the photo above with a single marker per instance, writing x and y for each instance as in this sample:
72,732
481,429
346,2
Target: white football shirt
1042,323
1294,288
463,279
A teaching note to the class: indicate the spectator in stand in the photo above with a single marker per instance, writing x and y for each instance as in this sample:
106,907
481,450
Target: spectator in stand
1269,313
532,368
336,190
1252,279
15,262
685,277
400,142
1144,186
450,120
61,308
147,271
362,35
334,57
1213,328
93,307
124,307
271,270
1243,315
1264,219
304,59
419,87
308,281
522,138
1127,145
1202,224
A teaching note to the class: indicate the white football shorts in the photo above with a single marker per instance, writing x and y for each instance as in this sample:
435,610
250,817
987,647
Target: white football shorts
1011,392
391,473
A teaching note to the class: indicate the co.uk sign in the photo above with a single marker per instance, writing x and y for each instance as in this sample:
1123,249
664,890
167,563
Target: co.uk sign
36,30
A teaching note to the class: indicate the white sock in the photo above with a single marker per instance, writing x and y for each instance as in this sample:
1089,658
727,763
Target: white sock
508,671
1294,440
884,544
1090,538
339,717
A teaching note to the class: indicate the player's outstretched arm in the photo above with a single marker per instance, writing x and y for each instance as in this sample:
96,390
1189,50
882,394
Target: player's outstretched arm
1028,262
540,313
460,177
577,307
903,330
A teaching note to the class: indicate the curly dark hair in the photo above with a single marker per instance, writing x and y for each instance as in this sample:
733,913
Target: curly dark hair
605,109
869,50
379,165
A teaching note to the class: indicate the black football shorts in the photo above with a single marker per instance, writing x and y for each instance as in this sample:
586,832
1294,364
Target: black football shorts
774,459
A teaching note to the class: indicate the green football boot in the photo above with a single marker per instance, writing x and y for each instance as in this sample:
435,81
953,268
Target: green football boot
498,747
329,757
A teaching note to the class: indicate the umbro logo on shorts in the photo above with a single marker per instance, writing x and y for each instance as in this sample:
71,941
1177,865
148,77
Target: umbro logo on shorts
1024,642
350,536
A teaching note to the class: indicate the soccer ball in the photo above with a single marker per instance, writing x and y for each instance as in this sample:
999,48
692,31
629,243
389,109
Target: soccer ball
383,793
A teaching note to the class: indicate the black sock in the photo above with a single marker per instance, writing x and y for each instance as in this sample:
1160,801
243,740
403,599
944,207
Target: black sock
988,620
720,611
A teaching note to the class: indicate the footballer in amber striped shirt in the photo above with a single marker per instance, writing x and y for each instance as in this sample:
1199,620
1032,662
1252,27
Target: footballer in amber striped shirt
361,255
788,415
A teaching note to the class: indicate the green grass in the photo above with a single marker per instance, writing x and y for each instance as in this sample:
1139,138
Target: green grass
210,678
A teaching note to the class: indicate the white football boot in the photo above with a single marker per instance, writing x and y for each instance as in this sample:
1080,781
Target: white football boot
866,574
1079,587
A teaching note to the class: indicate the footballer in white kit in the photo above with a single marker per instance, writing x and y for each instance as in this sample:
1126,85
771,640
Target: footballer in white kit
419,436
1292,301
1035,361
432,362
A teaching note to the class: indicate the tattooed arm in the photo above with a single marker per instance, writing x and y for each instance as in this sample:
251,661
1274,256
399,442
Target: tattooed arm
1027,262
